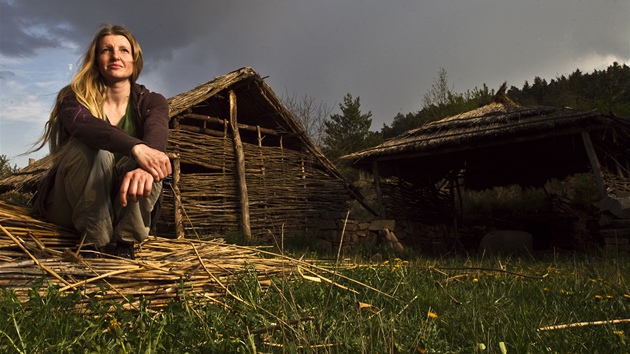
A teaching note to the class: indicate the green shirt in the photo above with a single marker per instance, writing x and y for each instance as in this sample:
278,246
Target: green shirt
127,123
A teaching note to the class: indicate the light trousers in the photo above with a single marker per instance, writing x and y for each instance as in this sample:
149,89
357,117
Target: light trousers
85,197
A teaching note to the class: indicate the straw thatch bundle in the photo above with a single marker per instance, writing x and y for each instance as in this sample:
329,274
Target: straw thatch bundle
25,180
32,250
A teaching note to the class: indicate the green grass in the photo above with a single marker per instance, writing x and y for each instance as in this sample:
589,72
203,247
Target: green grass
417,305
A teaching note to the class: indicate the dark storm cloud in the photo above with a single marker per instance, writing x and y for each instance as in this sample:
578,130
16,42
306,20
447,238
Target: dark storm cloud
19,36
386,52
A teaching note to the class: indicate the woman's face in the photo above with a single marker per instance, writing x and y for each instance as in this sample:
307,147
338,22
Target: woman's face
114,58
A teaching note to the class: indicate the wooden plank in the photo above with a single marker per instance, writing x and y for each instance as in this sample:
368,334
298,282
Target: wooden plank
240,168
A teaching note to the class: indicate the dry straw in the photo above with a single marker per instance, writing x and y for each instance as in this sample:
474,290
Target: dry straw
32,250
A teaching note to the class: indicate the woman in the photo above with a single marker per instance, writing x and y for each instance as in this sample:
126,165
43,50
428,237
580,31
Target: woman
108,136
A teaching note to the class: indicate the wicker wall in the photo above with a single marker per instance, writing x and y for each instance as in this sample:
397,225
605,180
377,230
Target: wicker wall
286,188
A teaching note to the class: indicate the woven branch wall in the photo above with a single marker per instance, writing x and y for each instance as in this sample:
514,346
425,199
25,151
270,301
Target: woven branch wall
286,188
406,201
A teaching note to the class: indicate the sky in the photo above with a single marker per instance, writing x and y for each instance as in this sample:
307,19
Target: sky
388,53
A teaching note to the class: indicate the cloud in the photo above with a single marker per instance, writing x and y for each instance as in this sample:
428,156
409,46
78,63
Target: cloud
21,103
386,52
22,34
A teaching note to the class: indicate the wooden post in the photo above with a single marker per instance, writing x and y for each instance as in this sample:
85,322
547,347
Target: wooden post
225,136
177,196
588,144
379,192
260,151
177,201
240,169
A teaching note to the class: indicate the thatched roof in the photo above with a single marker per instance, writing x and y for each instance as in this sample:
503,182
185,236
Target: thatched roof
26,179
258,105
491,125
501,137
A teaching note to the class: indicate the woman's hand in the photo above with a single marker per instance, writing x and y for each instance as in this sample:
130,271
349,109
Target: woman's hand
136,184
153,161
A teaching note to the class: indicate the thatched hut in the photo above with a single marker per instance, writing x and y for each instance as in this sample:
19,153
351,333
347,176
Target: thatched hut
419,173
242,163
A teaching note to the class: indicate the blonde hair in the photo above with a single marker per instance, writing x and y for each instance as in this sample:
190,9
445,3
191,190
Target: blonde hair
88,86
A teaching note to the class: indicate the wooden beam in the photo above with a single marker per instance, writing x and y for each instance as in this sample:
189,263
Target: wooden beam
202,130
220,121
240,169
379,192
592,157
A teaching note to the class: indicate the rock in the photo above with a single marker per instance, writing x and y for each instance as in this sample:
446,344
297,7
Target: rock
326,224
376,258
351,227
377,225
506,242
323,245
619,207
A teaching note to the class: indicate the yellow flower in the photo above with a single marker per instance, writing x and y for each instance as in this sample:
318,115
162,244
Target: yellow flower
609,297
626,296
564,292
619,333
598,297
432,315
386,262
475,280
545,289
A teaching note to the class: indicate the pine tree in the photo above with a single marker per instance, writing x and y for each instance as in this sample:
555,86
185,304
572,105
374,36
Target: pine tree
349,131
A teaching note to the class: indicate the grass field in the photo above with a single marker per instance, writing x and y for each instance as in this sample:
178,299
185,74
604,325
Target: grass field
419,304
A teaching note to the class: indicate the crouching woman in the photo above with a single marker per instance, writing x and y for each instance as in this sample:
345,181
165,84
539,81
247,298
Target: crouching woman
108,136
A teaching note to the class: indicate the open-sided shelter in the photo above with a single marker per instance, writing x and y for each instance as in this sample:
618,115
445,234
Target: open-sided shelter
499,144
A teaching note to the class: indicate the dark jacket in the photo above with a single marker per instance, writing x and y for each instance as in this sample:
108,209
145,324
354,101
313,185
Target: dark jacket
150,111
151,118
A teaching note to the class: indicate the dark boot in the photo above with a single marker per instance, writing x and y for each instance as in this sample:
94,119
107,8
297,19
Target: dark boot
124,250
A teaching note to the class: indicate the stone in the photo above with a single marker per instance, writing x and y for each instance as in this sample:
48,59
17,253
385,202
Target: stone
377,225
323,245
376,258
351,227
327,224
619,207
506,242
